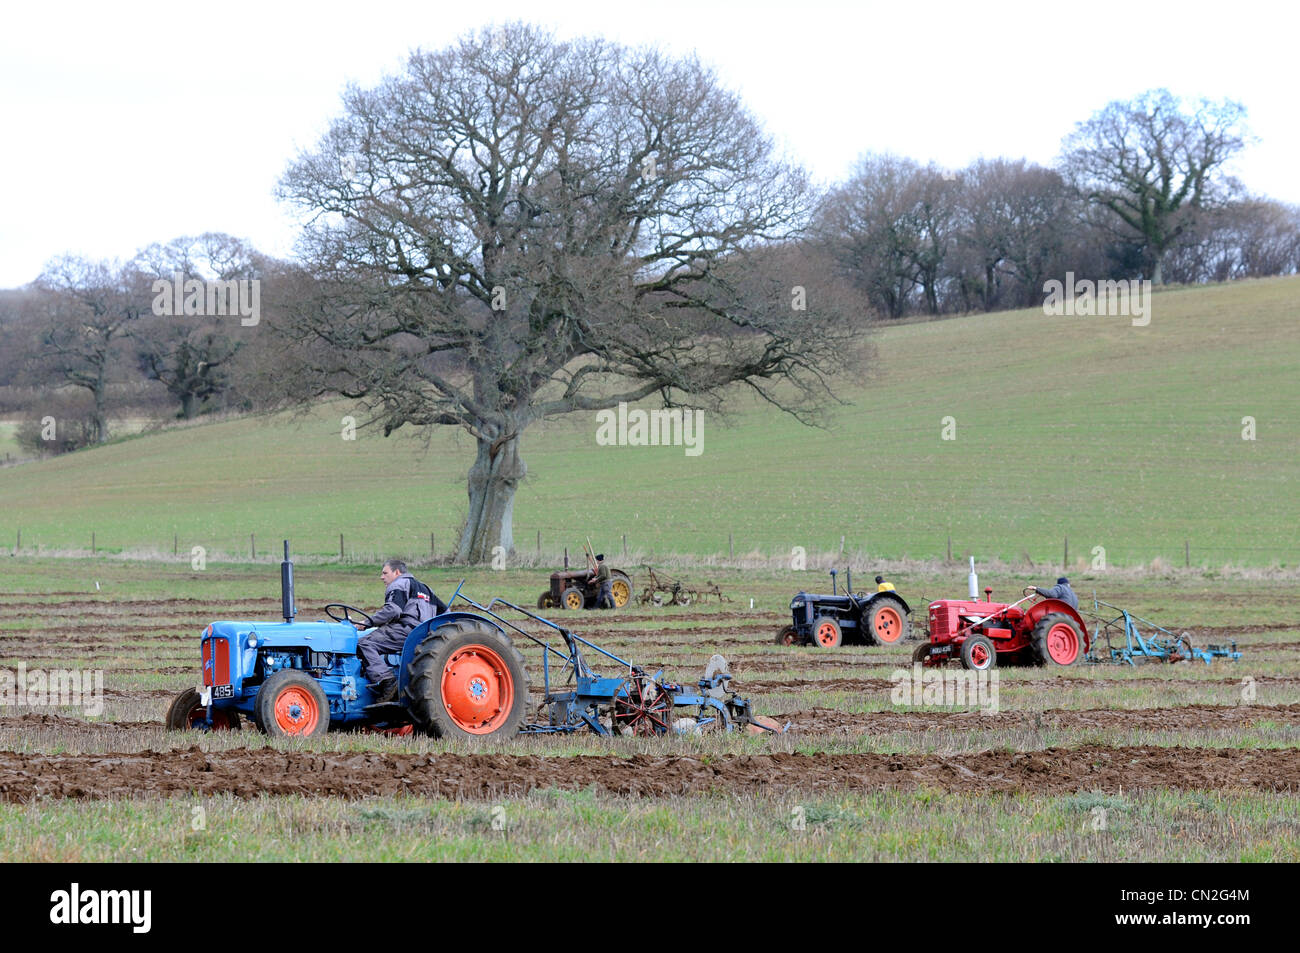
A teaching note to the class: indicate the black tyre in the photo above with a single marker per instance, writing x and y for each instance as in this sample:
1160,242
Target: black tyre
292,704
921,653
886,622
787,636
467,680
185,713
978,653
1056,640
544,601
827,633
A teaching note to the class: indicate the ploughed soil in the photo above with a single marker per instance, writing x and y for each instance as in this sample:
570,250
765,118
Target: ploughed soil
249,773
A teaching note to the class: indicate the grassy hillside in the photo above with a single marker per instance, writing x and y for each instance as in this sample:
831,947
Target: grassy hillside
1121,437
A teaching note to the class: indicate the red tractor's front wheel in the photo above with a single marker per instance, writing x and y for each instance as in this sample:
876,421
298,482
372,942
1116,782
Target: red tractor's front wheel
788,636
978,653
186,713
291,704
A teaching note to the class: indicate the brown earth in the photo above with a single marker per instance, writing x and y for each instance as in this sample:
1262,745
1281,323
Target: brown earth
249,773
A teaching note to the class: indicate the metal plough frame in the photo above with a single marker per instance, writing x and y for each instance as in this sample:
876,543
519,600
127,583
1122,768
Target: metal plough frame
658,586
1137,648
593,698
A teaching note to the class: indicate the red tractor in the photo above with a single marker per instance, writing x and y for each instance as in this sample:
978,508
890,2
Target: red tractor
986,634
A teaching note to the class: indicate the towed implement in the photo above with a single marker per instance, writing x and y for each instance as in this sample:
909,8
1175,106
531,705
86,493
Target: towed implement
1162,647
459,675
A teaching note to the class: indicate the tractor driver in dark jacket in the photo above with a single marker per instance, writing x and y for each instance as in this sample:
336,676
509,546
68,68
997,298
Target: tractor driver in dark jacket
407,603
1060,591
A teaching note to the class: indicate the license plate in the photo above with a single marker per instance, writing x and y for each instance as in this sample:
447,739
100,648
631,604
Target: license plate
941,650
223,691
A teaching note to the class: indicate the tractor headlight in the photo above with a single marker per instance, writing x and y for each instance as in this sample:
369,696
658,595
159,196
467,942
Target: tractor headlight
252,641
796,604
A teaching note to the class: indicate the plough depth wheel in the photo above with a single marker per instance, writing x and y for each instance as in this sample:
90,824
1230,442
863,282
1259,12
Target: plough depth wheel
642,709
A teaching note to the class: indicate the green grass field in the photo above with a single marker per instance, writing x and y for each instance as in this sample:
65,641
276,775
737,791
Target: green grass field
1119,437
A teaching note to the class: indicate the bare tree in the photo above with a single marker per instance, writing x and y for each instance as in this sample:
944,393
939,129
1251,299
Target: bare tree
868,226
1154,163
191,355
518,227
85,313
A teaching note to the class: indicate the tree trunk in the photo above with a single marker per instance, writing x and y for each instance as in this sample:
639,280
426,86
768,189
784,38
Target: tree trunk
493,479
100,421
1157,272
187,405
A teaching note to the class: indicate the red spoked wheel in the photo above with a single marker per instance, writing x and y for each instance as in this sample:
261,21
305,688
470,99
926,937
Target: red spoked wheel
642,708
478,690
787,636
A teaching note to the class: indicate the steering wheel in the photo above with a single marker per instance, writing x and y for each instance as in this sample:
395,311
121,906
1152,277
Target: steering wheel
1029,591
347,615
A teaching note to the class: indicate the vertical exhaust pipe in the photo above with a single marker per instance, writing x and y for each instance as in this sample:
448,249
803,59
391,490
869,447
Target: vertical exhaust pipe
974,582
286,586
848,581
834,591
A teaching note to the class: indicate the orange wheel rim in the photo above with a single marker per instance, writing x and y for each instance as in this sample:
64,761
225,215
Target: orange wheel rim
826,634
1063,643
889,624
477,689
296,711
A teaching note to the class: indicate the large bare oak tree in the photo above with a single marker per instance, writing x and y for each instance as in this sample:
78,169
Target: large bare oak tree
518,227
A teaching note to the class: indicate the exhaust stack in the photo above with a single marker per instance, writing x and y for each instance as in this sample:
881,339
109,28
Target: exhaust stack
974,582
286,586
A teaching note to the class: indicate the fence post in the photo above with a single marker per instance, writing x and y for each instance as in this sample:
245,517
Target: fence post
625,545
340,545
252,544
92,542
731,547
539,544
433,547
950,547
1065,560
176,543
841,547
1187,554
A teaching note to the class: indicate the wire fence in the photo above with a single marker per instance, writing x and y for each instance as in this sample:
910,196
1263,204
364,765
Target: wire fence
538,545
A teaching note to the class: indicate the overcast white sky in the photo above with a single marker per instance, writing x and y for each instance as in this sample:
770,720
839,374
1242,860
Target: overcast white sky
128,123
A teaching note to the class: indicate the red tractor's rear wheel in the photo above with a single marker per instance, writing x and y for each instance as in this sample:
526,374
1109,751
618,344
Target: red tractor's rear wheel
978,653
921,653
827,633
1056,640
886,621
468,681
186,713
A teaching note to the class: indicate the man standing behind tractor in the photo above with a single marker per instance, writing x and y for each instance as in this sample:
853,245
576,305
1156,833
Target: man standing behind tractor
407,603
605,600
1060,591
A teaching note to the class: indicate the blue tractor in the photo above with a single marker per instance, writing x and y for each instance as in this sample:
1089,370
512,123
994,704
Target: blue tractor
459,676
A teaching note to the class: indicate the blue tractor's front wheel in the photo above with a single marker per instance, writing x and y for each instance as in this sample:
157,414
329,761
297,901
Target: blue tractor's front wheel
292,704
